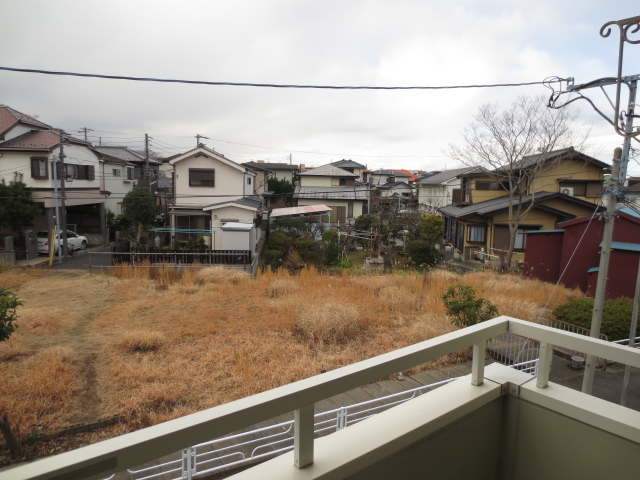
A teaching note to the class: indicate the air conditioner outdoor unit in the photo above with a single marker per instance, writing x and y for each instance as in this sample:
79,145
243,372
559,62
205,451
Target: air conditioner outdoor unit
567,191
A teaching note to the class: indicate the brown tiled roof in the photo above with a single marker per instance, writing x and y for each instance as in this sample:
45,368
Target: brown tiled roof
9,117
38,140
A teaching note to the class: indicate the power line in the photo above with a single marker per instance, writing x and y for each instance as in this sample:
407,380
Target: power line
266,85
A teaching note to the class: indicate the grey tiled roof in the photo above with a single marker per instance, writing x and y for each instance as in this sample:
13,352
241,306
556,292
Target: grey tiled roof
348,164
328,170
499,204
395,173
253,202
124,153
272,166
332,193
438,178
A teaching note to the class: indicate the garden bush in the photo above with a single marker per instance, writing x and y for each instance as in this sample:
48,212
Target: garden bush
465,308
616,315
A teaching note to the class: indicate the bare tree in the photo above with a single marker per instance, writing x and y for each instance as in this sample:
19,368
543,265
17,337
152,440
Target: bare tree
518,145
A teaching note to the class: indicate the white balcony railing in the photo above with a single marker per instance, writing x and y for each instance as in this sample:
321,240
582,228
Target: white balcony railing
102,459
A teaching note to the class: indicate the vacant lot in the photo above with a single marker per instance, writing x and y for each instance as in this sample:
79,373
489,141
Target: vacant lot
152,349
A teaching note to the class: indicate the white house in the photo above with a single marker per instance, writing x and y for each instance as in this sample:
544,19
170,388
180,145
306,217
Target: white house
436,191
334,187
210,191
29,151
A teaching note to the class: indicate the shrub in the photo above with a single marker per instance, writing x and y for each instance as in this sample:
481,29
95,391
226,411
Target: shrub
465,308
8,305
616,315
273,258
331,248
422,253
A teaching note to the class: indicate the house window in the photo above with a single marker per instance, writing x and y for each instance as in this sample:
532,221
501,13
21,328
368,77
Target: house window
81,172
39,167
202,177
130,173
116,172
476,233
248,180
350,210
488,186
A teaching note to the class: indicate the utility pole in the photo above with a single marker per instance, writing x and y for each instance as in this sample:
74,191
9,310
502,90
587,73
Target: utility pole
146,161
85,130
65,249
55,170
611,200
622,123
198,137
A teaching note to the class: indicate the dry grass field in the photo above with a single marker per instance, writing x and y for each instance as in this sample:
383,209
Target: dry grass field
152,349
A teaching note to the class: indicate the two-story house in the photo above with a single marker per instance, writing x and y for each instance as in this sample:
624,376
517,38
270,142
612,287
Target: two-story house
382,176
334,187
354,167
211,191
279,170
436,190
29,151
569,187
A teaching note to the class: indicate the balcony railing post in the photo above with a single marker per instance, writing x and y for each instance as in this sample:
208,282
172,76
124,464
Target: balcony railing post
303,436
477,366
544,365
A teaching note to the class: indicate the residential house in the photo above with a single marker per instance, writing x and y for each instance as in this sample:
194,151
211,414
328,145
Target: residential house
334,187
570,253
354,167
139,162
279,170
436,189
478,217
29,150
382,176
117,180
211,191
261,183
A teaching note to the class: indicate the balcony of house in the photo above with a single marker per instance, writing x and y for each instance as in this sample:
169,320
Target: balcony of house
497,422
461,196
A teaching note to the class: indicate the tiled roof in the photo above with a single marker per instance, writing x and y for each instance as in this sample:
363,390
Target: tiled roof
9,117
328,170
124,153
332,193
397,173
493,206
38,140
348,164
390,185
272,166
438,178
253,202
569,152
412,176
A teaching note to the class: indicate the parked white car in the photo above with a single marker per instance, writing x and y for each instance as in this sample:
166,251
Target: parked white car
76,241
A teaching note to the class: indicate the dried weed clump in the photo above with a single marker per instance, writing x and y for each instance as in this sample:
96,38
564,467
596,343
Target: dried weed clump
219,274
44,322
39,391
283,286
427,326
330,323
13,349
140,341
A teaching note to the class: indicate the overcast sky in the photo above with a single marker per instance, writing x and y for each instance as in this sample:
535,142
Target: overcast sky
323,42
